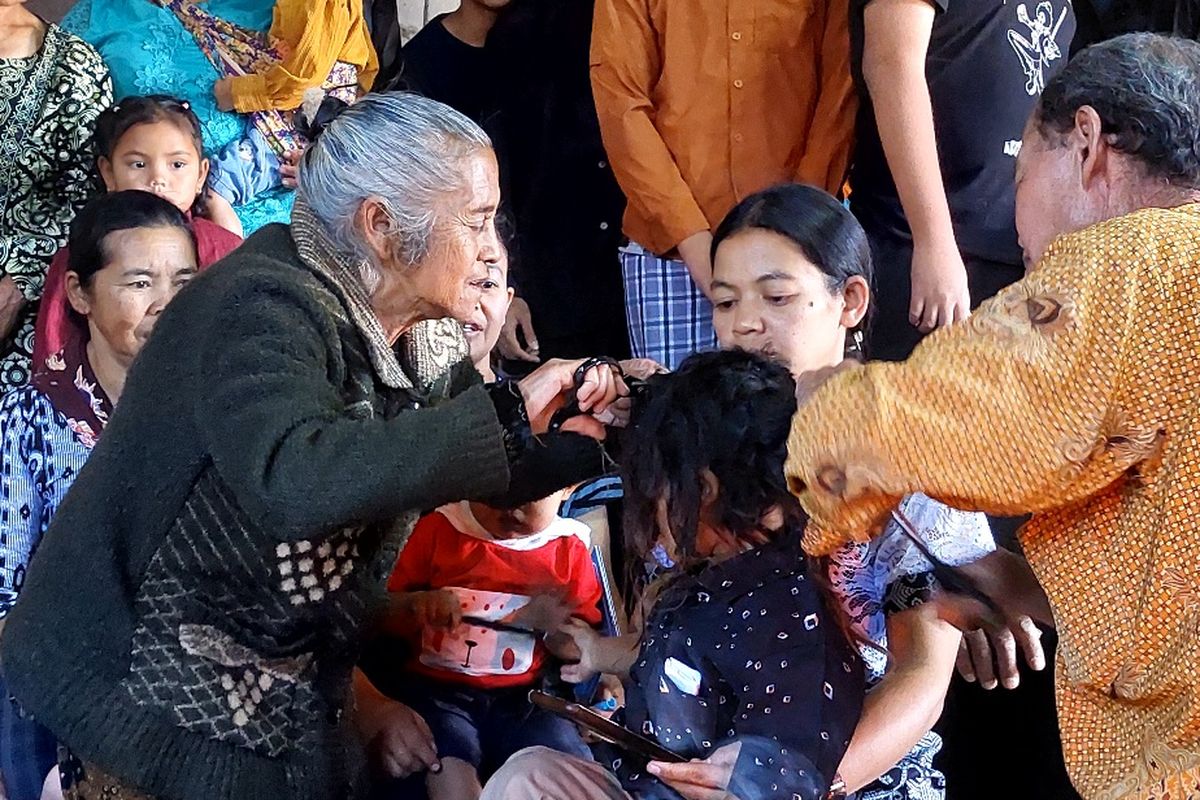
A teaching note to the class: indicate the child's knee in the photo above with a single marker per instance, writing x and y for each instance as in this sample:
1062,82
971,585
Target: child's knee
456,780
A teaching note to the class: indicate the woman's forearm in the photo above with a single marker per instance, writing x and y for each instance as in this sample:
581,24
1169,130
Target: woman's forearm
908,701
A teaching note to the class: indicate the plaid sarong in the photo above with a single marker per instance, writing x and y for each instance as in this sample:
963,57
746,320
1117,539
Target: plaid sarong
669,317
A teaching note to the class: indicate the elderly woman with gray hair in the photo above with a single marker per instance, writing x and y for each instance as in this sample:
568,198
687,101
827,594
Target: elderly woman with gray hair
190,624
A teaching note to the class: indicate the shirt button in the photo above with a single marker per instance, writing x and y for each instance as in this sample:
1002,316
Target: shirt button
603,226
739,83
603,165
737,137
736,36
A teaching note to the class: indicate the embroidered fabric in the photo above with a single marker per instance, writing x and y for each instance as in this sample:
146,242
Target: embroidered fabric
888,575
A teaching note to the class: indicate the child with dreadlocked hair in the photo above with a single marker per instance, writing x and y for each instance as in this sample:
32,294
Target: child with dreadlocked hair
741,664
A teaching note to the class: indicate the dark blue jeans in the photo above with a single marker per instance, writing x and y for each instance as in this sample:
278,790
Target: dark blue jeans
483,727
27,750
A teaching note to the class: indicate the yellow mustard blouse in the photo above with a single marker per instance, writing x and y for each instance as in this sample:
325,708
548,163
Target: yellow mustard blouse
313,36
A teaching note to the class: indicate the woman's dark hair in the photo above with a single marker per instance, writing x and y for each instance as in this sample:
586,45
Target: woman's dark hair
814,221
1146,90
116,121
727,412
109,213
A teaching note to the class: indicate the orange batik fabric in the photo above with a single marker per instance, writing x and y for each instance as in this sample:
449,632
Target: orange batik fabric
1073,395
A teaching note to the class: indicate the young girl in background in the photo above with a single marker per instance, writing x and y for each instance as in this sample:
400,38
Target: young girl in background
151,144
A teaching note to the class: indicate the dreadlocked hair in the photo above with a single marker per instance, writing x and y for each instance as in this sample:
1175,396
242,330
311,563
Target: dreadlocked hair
726,412
730,413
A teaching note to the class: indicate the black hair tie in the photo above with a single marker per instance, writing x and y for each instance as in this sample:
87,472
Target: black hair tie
571,409
328,110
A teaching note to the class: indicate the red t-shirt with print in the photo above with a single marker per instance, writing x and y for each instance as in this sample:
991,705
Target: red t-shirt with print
492,579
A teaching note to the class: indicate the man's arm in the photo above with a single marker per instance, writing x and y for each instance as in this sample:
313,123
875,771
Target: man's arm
625,64
895,45
1009,413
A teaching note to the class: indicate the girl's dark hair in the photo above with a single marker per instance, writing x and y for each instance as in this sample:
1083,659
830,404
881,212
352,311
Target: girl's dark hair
118,119
815,222
728,412
109,213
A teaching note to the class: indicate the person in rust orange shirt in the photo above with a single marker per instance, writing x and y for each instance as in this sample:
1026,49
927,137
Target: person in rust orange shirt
701,105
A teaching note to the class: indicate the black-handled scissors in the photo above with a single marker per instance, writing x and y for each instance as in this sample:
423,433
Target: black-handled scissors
571,409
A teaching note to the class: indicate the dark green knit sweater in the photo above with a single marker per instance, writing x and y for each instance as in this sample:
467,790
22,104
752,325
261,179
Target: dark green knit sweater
192,616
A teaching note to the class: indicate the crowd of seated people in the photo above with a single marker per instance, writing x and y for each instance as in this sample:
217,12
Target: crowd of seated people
778,282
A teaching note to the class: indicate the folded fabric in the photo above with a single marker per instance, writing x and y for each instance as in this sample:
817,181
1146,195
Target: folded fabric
245,168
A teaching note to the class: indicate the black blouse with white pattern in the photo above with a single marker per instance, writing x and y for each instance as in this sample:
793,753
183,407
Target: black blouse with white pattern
745,651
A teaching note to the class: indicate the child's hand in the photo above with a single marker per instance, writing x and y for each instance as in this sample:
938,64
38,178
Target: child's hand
584,641
437,608
223,92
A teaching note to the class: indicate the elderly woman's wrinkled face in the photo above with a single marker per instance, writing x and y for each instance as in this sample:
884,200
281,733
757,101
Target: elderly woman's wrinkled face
143,270
452,277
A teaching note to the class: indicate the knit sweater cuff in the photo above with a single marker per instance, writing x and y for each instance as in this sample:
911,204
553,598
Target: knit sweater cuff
478,464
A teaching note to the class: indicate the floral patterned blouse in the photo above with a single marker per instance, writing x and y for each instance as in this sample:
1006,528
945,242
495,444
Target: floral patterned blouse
49,103
889,575
41,453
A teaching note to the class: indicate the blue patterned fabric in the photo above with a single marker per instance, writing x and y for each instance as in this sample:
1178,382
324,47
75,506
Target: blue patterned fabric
149,52
669,317
40,456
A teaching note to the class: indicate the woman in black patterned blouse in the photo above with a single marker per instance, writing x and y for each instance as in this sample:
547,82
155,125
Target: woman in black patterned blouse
52,88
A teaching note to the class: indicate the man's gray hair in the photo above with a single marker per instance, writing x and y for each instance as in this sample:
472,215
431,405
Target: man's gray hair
397,147
1146,89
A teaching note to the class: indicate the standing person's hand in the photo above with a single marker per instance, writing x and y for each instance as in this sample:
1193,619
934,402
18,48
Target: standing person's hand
701,779
518,325
940,295
11,303
696,252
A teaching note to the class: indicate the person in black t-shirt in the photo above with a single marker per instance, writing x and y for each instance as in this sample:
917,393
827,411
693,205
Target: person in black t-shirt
557,182
447,60
947,86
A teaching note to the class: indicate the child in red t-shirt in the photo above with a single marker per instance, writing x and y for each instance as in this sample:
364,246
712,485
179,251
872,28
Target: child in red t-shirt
475,586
